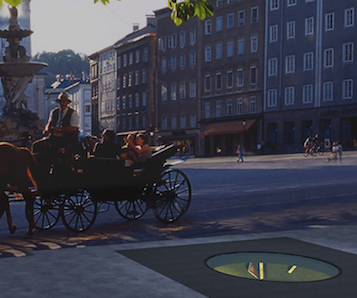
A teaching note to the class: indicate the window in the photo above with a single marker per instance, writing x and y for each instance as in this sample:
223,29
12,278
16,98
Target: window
193,120
309,26
290,30
289,96
182,39
131,58
182,121
163,65
218,81
290,64
118,83
192,37
146,55
230,48
207,109
240,46
241,18
130,101
137,77
219,24
173,122
273,33
229,107
291,2
192,58
182,60
192,89
349,17
143,99
229,79
137,100
119,66
125,60
254,15
130,122
218,108
253,75
124,81
219,3
172,41
208,53
273,67
328,57
219,50
130,79
173,89
329,21
240,78
207,83
208,26
274,4
137,56
239,106
253,104
307,93
272,97
182,90
308,61
230,21
254,44
164,123
328,91
347,91
162,43
163,93
124,102
173,63
348,52
143,76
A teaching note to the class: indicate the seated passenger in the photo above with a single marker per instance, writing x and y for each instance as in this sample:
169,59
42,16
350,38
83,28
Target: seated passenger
141,148
107,148
128,154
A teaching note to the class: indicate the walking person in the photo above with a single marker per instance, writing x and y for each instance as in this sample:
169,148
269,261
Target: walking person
240,153
340,149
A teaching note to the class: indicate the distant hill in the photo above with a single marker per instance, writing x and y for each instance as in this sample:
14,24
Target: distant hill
63,62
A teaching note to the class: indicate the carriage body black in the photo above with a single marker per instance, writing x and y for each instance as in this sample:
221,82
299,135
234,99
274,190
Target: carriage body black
75,195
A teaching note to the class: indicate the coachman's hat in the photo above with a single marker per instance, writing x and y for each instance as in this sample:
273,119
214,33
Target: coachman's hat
63,96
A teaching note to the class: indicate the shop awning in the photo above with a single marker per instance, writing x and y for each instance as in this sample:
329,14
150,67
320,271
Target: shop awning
228,127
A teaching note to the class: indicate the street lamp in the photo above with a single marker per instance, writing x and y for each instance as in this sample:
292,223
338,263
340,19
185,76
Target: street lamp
244,124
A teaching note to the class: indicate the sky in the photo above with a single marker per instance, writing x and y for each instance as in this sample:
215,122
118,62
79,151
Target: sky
85,27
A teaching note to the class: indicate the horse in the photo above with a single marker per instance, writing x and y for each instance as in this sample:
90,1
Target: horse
17,168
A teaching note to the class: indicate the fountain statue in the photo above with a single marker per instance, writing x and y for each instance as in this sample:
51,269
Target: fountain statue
16,72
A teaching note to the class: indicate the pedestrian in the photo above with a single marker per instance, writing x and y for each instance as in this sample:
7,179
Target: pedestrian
240,153
334,152
340,149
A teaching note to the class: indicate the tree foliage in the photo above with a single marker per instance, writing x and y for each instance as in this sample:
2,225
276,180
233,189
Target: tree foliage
64,62
182,10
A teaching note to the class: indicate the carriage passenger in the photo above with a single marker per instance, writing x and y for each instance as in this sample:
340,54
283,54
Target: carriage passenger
128,153
108,148
141,148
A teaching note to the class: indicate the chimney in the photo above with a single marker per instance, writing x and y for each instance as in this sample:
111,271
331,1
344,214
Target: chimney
135,27
151,20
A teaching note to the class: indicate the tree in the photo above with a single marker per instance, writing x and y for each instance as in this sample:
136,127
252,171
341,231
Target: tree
182,10
64,62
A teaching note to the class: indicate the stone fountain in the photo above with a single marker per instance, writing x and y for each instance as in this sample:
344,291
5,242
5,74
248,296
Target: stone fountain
17,122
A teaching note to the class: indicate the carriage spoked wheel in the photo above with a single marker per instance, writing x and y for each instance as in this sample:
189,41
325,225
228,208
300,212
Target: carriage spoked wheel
78,210
172,196
132,209
46,213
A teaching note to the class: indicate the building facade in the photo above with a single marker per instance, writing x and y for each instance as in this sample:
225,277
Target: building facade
232,69
178,83
309,73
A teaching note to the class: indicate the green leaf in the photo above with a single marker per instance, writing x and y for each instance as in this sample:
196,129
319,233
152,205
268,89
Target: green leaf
200,11
13,2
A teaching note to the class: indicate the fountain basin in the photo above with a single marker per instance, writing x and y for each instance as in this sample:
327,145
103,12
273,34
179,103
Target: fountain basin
20,69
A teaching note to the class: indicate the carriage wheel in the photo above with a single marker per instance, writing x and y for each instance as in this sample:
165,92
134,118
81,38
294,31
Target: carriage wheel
46,213
131,209
78,211
173,196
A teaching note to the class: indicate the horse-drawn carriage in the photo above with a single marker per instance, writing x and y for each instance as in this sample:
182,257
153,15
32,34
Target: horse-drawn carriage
75,192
